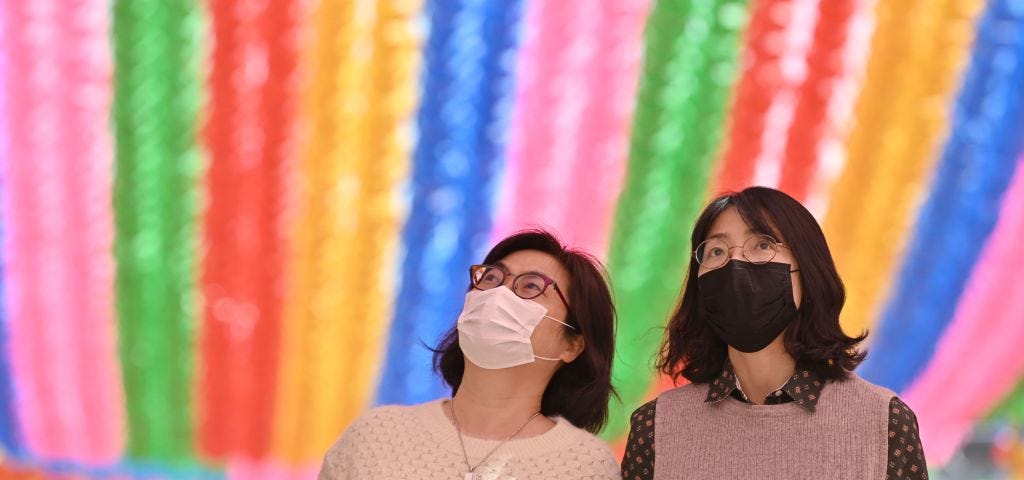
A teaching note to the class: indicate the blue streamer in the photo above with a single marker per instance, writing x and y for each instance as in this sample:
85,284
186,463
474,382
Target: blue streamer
962,208
468,78
10,438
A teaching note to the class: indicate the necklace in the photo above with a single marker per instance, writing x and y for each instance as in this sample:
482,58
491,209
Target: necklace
470,475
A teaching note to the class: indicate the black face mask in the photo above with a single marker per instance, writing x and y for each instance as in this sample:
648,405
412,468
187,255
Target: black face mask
746,304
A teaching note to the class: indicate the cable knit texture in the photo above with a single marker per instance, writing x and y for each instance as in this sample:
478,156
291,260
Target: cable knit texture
845,438
419,442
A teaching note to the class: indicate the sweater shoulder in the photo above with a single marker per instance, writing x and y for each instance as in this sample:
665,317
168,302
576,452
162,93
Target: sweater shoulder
377,421
384,413
855,385
602,462
370,432
589,440
685,393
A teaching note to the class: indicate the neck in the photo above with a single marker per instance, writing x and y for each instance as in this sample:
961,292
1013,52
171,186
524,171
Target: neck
763,371
492,404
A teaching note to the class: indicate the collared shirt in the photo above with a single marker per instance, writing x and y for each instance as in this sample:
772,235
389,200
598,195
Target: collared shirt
803,387
906,458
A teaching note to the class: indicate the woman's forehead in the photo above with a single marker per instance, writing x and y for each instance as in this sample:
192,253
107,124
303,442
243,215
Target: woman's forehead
731,226
523,261
535,261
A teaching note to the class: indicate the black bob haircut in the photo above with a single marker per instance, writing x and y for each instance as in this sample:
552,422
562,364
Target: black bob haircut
815,339
579,391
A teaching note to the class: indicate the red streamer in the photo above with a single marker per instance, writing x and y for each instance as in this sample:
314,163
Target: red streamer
249,134
761,82
825,68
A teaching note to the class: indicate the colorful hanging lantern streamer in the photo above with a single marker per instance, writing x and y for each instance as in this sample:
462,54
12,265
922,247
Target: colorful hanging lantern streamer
456,165
336,318
960,213
57,181
570,107
577,79
764,95
10,431
919,54
987,329
14,472
124,470
34,380
889,46
247,469
822,99
156,200
691,54
1011,408
251,122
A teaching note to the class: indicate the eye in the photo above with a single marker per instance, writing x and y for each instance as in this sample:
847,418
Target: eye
533,285
715,252
488,277
529,286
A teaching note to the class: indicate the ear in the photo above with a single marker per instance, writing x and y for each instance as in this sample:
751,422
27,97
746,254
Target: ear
575,347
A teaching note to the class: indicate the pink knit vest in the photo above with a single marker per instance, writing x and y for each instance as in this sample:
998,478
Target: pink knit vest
845,438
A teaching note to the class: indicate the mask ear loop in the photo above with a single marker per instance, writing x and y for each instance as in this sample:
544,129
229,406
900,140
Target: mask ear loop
563,323
559,321
798,308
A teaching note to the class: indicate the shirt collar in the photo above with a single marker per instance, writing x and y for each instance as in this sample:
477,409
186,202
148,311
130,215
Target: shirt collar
804,387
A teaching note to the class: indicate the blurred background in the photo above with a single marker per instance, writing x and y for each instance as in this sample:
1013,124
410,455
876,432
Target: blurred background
229,227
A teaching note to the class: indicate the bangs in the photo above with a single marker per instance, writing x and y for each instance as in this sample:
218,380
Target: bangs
752,212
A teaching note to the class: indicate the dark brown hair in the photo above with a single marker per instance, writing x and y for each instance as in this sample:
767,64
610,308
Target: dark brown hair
693,351
579,390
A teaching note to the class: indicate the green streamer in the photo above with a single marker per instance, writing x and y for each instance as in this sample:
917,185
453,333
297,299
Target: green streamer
1011,409
156,102
691,50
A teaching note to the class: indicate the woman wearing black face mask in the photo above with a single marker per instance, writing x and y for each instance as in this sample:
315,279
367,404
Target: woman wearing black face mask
772,393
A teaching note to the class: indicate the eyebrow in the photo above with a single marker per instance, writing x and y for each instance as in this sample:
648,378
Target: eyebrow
504,267
723,235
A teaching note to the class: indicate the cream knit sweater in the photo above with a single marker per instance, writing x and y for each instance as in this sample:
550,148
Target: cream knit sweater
419,442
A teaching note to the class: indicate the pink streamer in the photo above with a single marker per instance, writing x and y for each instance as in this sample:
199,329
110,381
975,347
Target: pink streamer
59,236
577,79
987,332
247,469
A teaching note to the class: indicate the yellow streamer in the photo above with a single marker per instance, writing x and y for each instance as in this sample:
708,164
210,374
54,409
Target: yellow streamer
917,56
362,96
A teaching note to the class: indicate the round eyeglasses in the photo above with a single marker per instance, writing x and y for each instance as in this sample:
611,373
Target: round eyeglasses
527,285
714,252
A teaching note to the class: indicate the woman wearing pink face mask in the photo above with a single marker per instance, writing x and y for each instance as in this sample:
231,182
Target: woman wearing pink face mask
529,364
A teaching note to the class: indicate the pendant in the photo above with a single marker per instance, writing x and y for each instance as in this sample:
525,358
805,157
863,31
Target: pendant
470,476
